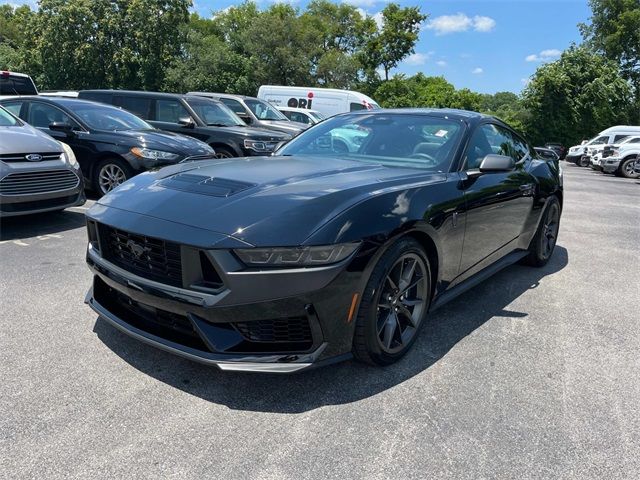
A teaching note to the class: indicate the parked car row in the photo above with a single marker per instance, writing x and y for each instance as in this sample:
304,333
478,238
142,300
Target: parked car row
613,150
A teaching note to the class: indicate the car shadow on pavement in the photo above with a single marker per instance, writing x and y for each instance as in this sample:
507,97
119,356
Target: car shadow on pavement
344,382
27,226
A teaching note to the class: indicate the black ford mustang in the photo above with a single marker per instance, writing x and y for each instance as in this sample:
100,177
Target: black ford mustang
340,244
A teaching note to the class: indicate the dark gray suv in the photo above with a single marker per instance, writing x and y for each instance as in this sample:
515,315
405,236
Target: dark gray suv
37,173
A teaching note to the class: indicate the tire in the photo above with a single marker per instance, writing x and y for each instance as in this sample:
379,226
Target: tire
544,241
222,152
388,322
626,168
110,173
583,162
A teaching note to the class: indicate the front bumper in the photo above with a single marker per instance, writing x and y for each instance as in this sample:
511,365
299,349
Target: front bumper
224,328
573,157
610,164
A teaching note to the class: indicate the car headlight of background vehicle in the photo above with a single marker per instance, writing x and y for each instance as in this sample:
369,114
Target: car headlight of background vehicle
296,256
154,154
69,156
258,145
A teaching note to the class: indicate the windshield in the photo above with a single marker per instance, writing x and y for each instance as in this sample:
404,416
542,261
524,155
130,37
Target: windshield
317,115
103,117
6,119
264,111
214,113
16,85
393,140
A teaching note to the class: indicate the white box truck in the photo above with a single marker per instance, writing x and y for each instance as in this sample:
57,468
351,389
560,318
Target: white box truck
328,101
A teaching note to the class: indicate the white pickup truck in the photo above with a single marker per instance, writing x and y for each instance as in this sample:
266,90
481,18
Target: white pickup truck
622,161
598,153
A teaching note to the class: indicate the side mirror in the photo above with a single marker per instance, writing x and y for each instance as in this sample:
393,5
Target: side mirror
493,163
186,122
245,118
61,127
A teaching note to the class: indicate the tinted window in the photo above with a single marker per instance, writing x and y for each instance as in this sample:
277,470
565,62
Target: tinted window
105,117
7,120
13,107
170,111
13,85
354,107
488,139
634,140
617,138
235,106
298,117
97,96
600,141
42,115
140,106
214,113
392,140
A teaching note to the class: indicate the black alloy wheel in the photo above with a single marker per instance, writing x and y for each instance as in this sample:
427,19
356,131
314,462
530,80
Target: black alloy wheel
394,305
544,241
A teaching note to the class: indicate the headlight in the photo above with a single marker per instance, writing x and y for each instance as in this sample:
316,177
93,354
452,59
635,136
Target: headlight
154,154
257,145
69,156
296,256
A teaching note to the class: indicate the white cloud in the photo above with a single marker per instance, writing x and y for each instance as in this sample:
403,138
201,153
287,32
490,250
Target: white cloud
483,24
477,71
544,55
379,19
417,59
441,63
365,3
460,22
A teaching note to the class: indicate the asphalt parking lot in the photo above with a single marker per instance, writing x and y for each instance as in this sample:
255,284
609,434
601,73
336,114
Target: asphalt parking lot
533,374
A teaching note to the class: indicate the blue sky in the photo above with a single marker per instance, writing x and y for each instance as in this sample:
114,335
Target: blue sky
484,45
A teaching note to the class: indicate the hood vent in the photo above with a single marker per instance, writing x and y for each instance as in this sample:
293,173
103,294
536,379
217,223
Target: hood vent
214,186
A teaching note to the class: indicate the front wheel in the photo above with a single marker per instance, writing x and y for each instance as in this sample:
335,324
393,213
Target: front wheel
544,241
111,173
394,304
222,152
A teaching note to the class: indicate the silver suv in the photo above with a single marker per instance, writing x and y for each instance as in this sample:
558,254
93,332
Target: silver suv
37,173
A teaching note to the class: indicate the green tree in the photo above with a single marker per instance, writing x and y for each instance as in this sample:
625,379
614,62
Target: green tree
575,97
614,31
395,40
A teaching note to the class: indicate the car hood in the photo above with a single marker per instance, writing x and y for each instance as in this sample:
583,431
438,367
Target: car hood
26,139
255,133
266,201
292,128
168,141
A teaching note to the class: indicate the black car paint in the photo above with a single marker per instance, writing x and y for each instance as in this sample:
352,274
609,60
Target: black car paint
469,225
91,146
230,138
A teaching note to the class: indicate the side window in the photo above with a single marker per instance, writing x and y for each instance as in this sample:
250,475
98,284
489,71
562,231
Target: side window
354,107
299,117
170,111
488,139
617,138
633,140
600,141
140,106
521,147
42,115
101,97
14,107
235,106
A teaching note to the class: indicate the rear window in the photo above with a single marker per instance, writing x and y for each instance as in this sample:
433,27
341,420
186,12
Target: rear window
14,85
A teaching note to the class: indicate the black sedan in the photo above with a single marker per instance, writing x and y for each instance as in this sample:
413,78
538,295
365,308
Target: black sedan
110,144
317,254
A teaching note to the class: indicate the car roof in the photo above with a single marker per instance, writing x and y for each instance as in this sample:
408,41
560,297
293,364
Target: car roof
140,93
295,109
452,113
58,100
230,95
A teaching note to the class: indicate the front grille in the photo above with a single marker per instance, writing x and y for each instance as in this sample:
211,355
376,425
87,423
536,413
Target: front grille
22,157
38,181
293,330
144,256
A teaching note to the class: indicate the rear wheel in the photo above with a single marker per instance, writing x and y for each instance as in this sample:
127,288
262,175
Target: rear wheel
394,304
111,173
583,162
544,241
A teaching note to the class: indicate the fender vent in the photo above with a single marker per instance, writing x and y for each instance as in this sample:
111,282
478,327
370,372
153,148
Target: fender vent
214,186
